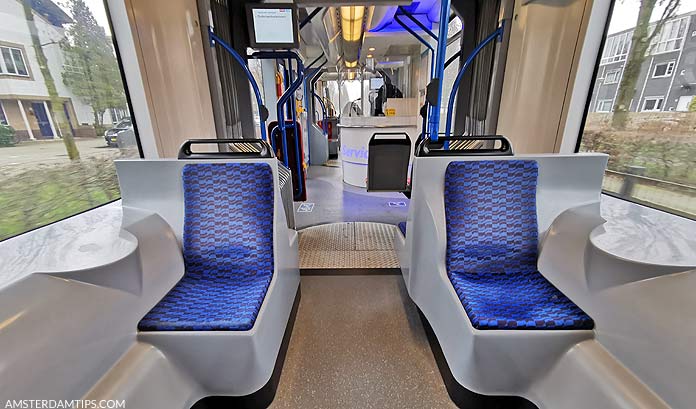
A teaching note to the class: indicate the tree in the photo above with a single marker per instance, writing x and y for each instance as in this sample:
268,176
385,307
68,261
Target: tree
56,102
91,70
640,43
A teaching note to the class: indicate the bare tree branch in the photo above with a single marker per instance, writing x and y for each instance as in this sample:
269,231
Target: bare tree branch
667,14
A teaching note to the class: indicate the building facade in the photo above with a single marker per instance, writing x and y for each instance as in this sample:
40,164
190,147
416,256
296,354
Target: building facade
24,99
667,79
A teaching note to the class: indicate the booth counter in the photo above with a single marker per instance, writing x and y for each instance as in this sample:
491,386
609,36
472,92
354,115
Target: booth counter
356,132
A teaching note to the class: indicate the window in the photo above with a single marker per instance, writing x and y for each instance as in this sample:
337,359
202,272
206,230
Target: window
671,37
13,61
612,76
42,180
663,70
3,117
653,104
652,149
118,114
616,47
604,105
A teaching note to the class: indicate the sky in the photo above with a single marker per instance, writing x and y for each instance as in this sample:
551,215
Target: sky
98,9
626,13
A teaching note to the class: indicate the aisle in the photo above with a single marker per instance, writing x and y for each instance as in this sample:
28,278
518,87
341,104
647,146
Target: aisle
354,246
334,201
358,343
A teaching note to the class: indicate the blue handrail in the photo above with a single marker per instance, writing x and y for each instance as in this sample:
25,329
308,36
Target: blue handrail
293,104
290,91
434,119
324,120
294,87
310,75
498,33
312,87
418,23
215,39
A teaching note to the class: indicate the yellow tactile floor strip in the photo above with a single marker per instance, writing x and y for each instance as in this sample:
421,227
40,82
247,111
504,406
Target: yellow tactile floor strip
348,245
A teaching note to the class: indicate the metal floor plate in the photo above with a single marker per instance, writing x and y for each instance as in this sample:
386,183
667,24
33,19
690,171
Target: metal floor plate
351,245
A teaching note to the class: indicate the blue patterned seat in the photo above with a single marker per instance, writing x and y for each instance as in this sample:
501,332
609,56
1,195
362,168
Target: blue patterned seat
492,241
228,250
402,227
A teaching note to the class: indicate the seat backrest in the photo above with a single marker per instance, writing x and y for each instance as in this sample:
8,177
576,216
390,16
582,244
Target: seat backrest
228,218
491,216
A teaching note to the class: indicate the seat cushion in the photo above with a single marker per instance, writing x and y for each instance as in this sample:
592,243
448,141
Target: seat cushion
228,250
221,303
492,239
402,227
516,301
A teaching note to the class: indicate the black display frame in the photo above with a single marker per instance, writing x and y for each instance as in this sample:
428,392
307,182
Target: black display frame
250,7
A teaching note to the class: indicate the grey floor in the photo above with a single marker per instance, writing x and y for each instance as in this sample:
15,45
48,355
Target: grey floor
335,201
358,343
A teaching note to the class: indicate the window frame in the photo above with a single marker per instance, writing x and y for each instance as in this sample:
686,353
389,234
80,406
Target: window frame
669,71
620,55
119,60
3,63
598,64
660,103
616,71
601,101
3,115
655,44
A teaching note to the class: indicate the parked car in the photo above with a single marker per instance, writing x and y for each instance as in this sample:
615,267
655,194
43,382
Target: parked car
126,138
110,136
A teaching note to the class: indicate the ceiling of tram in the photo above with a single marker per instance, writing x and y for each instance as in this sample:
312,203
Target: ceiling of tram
349,33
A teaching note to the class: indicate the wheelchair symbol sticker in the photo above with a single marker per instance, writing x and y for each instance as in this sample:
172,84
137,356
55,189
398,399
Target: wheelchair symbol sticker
305,208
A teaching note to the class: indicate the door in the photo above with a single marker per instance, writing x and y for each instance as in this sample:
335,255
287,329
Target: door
42,118
684,102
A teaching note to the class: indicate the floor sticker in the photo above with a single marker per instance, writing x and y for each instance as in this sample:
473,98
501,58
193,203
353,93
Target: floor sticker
305,208
397,204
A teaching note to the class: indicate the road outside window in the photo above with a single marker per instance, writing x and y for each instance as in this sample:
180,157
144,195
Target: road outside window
64,116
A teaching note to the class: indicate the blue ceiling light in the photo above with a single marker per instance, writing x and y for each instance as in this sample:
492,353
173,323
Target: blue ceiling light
425,11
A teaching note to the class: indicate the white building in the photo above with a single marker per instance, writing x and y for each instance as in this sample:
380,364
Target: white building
24,98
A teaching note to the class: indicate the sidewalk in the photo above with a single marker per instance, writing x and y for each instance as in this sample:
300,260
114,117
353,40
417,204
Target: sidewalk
28,155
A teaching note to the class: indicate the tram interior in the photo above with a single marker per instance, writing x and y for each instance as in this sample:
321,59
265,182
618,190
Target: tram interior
314,204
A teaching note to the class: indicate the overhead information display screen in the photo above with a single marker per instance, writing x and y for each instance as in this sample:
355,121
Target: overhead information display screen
273,26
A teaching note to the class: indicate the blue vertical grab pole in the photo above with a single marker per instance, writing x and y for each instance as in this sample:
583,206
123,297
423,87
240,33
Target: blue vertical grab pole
263,112
434,120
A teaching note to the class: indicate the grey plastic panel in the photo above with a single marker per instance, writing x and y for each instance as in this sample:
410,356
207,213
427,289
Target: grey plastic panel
83,318
318,146
641,303
286,193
